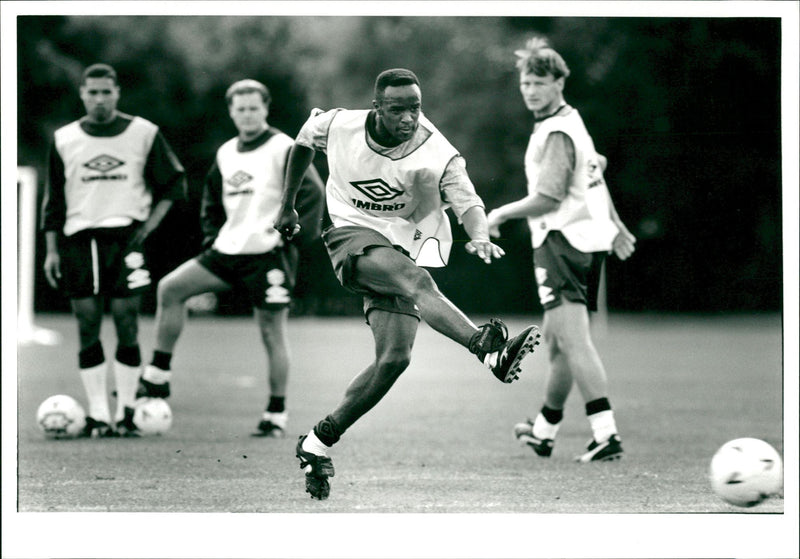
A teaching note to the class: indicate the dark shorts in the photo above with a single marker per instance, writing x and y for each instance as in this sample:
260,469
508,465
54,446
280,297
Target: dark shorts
563,272
98,262
268,279
345,245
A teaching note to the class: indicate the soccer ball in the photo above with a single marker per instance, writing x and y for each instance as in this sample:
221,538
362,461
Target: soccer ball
744,472
60,417
152,416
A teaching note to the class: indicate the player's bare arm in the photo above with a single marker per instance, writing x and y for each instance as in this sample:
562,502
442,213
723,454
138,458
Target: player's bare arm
531,206
624,243
52,260
300,158
153,221
476,226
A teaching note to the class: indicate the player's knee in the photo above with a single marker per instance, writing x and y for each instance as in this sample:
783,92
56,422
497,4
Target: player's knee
565,341
394,362
419,281
169,293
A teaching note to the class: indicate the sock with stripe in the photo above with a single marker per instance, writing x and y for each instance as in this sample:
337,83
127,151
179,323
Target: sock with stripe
601,419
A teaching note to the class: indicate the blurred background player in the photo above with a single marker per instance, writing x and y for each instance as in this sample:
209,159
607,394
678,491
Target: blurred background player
392,174
573,226
112,178
241,200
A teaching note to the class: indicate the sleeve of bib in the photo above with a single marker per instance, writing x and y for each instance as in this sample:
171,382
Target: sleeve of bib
457,188
314,133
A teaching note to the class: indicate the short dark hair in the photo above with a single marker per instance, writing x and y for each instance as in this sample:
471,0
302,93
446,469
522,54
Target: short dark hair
99,70
248,86
394,77
541,59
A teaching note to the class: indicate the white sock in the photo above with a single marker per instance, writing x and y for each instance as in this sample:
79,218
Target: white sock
94,383
543,429
155,375
127,380
313,445
603,425
279,418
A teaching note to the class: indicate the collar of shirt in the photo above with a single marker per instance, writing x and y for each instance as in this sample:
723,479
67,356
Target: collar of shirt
399,151
114,127
243,146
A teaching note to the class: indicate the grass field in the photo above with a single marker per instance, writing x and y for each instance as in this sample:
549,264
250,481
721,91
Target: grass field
440,442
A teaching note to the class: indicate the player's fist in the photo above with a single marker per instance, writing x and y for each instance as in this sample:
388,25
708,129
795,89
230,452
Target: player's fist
288,224
624,245
52,268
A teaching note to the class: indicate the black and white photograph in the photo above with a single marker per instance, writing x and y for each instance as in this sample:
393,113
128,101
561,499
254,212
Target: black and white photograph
400,279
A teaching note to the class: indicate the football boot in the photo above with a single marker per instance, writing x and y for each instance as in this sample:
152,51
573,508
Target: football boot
608,450
523,432
95,429
317,469
272,425
501,355
126,427
149,389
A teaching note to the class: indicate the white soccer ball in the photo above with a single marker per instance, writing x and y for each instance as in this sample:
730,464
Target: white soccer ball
60,417
152,416
744,472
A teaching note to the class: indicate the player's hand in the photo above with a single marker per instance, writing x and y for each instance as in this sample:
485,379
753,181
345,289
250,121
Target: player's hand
139,237
288,224
494,220
52,268
624,244
485,250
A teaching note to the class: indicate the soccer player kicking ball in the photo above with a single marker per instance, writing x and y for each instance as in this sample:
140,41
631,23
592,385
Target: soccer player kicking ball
573,226
392,173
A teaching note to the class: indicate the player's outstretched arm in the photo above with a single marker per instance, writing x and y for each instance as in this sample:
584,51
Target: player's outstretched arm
533,205
300,157
477,228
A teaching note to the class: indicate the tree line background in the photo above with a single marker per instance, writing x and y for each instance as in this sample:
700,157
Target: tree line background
687,111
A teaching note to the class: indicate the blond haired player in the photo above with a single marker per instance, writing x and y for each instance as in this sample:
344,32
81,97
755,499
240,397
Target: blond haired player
573,226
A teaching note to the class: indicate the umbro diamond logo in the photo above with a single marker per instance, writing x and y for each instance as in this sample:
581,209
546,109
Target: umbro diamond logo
239,178
103,163
377,190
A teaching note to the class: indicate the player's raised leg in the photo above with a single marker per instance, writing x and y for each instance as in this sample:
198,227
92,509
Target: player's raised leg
387,271
187,280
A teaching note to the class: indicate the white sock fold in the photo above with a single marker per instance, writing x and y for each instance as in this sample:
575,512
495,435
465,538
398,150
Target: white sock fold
279,418
603,425
313,445
94,383
127,380
155,375
543,429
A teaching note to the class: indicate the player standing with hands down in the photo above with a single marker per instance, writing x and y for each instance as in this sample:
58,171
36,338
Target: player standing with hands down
241,199
573,226
392,174
111,179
